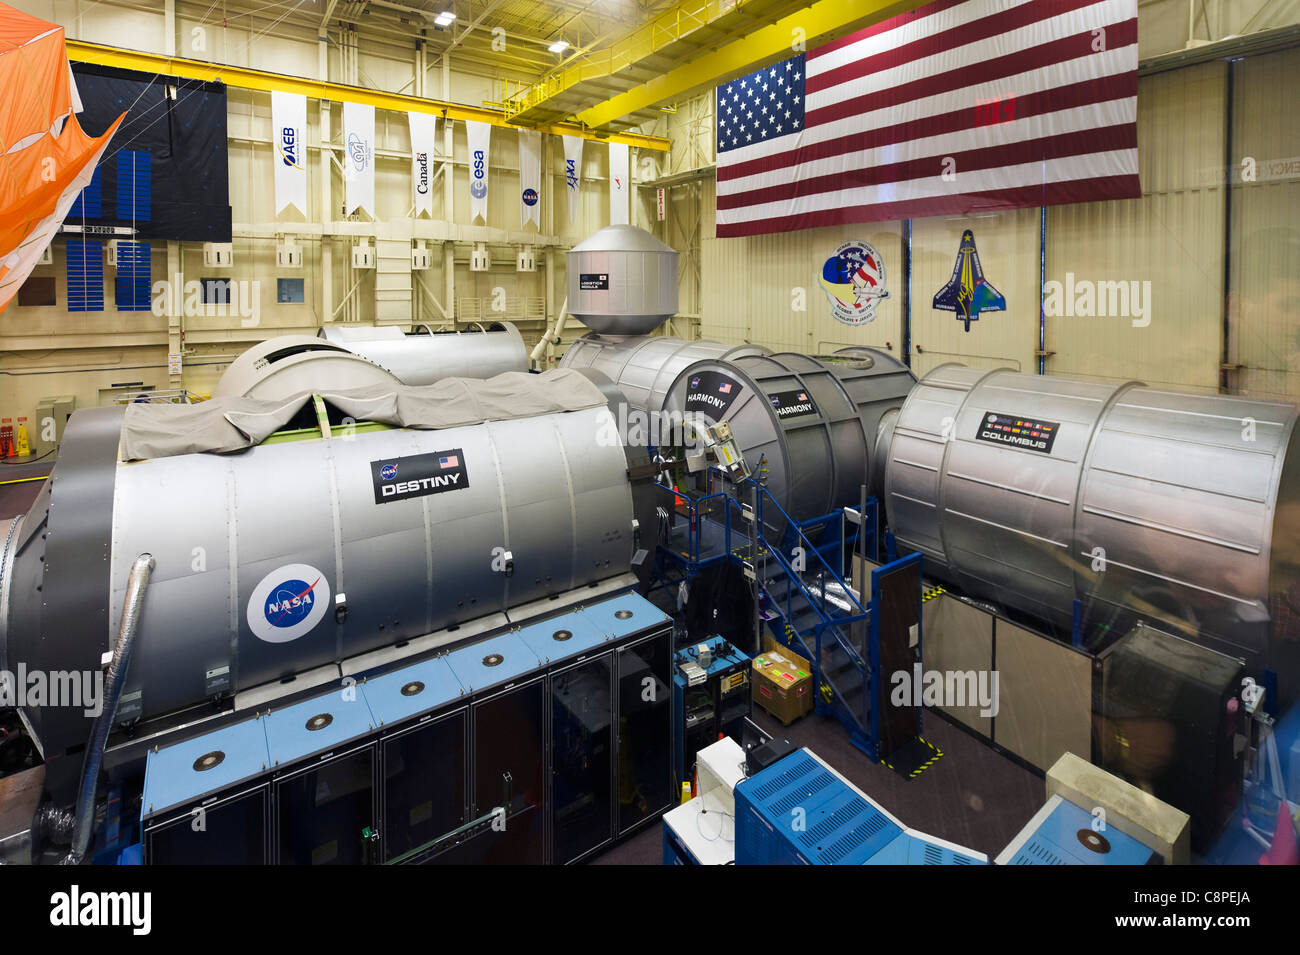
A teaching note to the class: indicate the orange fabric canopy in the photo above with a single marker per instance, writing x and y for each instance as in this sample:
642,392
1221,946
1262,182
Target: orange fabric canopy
45,156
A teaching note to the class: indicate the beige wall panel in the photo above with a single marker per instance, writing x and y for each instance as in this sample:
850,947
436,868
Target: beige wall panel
1171,238
1045,691
1264,301
1008,244
956,636
765,289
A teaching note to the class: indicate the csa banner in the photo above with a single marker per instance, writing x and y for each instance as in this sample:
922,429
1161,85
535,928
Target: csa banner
424,129
530,178
573,172
289,120
359,157
479,137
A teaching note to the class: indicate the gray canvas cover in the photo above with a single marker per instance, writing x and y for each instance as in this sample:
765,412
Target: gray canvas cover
234,423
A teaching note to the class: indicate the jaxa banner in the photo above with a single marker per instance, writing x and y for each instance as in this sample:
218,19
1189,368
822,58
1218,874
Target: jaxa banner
573,172
289,121
424,128
530,178
359,157
479,137
618,191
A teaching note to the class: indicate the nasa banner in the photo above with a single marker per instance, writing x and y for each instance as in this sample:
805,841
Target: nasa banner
530,178
289,121
618,167
573,172
359,157
424,128
479,137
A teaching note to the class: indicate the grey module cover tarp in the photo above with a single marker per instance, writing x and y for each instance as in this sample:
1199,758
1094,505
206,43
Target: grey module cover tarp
233,424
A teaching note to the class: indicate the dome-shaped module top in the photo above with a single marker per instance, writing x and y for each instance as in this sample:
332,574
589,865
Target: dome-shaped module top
622,281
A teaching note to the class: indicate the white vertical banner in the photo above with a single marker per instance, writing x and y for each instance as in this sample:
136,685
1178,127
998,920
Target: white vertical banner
424,129
530,178
573,172
479,137
289,123
659,203
618,191
359,157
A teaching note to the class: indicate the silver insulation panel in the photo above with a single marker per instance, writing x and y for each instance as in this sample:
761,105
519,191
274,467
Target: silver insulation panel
240,540
425,356
644,367
1037,491
806,427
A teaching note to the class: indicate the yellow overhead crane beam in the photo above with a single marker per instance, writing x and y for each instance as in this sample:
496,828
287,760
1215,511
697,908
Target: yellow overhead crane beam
241,77
818,22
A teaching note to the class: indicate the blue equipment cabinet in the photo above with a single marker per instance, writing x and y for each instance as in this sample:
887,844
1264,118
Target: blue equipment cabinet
716,706
565,725
799,811
1062,833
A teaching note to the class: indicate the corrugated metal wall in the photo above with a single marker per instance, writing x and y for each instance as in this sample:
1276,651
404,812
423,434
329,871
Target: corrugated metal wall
1171,238
1264,301
1007,243
1151,269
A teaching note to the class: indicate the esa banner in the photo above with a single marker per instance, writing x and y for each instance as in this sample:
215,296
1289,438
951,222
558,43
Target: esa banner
618,191
424,128
573,172
289,120
479,137
530,178
359,158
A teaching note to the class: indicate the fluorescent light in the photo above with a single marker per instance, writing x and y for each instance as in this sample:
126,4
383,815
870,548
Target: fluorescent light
444,19
559,46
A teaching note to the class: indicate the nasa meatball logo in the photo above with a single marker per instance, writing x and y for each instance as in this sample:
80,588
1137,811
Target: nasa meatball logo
288,603
530,197
388,472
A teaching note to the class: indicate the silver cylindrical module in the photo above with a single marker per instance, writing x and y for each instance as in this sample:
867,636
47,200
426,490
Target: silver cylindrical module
806,427
645,366
1036,492
289,365
622,281
301,551
424,356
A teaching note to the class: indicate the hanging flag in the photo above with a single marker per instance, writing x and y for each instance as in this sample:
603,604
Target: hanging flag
573,172
618,191
479,137
359,157
953,108
424,128
530,178
289,121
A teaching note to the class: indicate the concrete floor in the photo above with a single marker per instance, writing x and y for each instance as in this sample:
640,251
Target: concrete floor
17,490
973,796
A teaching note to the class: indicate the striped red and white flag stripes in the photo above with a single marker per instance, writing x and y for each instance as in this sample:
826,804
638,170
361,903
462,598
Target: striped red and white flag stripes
954,108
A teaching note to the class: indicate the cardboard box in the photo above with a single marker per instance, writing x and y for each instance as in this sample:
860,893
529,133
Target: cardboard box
783,682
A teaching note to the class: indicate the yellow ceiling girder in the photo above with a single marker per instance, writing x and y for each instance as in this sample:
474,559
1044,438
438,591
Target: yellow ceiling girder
241,77
814,23
679,21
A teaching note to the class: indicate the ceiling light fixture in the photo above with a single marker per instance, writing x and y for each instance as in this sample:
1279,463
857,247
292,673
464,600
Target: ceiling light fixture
559,46
444,19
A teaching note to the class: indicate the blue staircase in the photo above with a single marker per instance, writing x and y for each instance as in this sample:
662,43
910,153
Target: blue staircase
816,614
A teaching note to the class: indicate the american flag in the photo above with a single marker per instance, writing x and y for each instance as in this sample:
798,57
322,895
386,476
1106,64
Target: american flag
725,389
957,107
450,461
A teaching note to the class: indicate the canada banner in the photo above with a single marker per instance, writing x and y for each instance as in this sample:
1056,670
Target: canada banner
424,128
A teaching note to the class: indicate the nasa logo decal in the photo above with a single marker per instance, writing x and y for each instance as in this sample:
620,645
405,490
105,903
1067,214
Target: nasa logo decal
288,603
530,197
388,472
